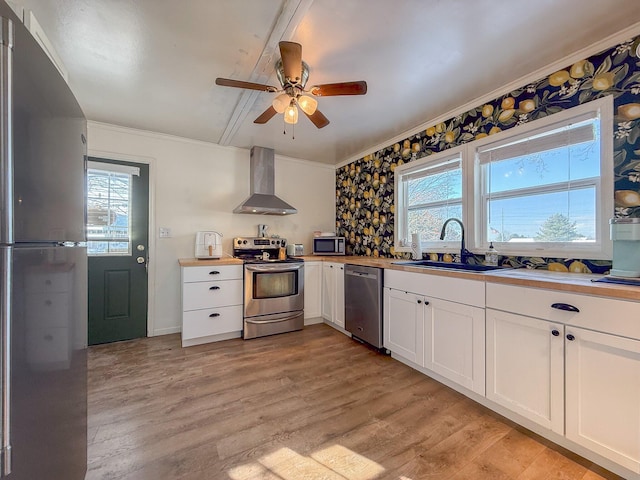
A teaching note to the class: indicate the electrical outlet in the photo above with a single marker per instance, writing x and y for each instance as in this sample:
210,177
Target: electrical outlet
164,232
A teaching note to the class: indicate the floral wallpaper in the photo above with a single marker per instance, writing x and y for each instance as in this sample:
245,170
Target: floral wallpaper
364,188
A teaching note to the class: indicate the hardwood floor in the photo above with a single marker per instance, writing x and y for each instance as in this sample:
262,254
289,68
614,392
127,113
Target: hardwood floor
304,405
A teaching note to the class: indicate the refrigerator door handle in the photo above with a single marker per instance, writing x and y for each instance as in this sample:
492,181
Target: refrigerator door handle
5,357
6,130
6,234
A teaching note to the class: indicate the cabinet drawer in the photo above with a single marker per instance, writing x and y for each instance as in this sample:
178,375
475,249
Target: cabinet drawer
47,310
48,347
48,282
199,295
209,273
211,321
618,317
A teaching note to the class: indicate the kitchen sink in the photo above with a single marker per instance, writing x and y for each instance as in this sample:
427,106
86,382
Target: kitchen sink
449,265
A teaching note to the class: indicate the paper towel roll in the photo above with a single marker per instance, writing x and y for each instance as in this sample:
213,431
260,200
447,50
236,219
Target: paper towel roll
416,249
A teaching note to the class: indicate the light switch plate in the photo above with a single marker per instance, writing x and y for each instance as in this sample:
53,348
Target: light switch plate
164,232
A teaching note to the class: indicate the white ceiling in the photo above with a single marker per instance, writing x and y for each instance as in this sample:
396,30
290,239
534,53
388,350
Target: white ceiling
151,64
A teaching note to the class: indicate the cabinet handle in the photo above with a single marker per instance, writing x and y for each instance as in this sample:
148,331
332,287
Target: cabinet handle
571,338
419,302
215,272
215,287
565,306
426,303
555,332
214,315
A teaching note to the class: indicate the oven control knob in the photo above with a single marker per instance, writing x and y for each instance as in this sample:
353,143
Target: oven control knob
244,242
272,242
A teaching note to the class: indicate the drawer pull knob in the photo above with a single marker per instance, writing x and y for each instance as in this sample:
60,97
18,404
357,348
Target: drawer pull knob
215,272
419,302
571,338
215,287
426,303
565,306
555,332
214,315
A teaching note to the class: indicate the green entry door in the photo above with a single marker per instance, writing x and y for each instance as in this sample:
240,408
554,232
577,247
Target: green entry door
118,239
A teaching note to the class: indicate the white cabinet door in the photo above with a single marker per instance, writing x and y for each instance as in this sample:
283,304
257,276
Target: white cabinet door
338,316
312,289
404,324
454,343
328,291
525,366
603,394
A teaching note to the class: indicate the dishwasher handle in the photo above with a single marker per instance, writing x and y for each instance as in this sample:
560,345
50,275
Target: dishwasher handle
373,276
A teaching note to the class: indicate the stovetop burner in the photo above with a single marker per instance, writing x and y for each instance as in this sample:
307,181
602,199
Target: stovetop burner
251,249
271,260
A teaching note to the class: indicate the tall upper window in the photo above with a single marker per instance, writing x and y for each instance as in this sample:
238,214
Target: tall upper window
547,187
429,191
108,207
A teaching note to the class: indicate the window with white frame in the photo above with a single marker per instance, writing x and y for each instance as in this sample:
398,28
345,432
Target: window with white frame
546,189
428,192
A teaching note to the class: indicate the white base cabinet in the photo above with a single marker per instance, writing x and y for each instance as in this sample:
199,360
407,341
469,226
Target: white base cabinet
333,293
603,394
211,303
570,363
437,323
312,290
404,324
454,342
525,367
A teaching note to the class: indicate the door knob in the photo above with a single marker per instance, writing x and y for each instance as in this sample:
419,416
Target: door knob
140,260
140,248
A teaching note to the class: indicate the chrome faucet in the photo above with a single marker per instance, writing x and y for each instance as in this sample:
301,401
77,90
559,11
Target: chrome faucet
464,253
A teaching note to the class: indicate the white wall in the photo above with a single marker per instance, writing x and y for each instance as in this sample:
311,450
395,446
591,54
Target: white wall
195,186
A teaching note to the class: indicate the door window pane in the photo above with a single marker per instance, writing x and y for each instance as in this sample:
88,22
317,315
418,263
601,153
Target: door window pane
108,208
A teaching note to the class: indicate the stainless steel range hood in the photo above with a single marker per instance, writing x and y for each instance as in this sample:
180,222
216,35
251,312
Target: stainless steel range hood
262,199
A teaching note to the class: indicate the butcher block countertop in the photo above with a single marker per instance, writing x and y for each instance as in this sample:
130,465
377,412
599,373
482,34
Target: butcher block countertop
568,282
197,262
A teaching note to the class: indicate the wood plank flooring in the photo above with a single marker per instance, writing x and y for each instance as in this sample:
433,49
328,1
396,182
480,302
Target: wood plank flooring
309,405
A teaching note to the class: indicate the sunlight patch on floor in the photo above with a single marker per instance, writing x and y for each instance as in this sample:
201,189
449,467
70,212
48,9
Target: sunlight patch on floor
332,463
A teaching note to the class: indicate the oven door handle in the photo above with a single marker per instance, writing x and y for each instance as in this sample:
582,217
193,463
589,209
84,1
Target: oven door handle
273,268
275,320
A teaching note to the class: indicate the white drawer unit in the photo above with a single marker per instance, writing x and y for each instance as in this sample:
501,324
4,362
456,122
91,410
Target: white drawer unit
197,295
211,303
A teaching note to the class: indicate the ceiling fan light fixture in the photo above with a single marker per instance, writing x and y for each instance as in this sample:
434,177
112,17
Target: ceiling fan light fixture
308,104
291,113
281,102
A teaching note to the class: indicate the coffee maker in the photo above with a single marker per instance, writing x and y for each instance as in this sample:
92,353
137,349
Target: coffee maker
625,233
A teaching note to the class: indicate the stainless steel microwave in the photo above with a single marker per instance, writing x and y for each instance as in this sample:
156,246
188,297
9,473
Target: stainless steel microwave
329,246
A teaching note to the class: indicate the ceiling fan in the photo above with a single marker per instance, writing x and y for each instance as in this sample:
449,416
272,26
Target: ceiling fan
293,74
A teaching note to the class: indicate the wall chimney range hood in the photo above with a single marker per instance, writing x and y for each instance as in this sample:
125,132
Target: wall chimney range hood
262,199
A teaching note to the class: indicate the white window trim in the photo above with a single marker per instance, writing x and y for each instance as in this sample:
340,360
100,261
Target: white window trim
603,247
472,201
400,200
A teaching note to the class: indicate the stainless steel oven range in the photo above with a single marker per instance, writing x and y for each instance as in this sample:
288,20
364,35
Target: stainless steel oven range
273,287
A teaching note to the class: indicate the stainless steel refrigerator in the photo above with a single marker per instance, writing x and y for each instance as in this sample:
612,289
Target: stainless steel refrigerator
43,266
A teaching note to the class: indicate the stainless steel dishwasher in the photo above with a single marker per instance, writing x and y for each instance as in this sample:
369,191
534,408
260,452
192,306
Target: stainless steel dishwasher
363,303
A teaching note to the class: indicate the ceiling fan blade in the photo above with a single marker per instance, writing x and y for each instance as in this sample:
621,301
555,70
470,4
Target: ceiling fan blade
266,115
291,55
227,82
343,88
318,119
